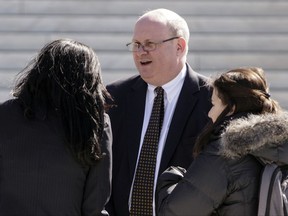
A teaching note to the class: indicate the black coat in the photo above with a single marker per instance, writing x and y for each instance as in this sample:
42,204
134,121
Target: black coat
225,178
189,118
39,176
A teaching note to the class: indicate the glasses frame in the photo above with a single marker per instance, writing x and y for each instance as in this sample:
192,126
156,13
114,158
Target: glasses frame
143,45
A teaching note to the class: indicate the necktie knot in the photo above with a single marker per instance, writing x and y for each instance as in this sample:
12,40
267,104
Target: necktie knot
159,90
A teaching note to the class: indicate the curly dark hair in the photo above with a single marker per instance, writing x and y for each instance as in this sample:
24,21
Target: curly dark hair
66,77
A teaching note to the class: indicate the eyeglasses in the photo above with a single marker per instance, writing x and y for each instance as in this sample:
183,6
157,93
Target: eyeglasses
147,46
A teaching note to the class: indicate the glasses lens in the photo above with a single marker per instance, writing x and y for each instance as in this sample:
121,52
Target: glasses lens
149,46
135,47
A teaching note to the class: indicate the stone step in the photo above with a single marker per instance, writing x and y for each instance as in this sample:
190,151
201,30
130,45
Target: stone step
119,24
277,79
199,8
200,61
116,42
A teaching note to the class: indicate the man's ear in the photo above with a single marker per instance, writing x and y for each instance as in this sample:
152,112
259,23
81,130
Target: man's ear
181,45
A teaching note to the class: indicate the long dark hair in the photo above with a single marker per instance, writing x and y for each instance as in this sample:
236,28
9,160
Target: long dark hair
66,76
241,89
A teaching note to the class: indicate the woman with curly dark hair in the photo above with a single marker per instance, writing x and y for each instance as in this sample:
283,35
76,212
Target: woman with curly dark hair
55,137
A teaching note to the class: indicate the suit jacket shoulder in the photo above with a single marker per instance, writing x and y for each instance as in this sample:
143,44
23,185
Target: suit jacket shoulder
120,88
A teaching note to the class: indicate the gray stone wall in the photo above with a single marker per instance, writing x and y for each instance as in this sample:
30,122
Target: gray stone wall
224,34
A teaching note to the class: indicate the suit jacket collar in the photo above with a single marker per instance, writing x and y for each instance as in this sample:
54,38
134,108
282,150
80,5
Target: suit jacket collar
186,102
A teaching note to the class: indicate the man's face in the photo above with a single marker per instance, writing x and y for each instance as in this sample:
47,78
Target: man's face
161,65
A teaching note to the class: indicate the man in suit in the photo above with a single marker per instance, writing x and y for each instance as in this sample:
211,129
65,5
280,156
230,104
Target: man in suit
159,46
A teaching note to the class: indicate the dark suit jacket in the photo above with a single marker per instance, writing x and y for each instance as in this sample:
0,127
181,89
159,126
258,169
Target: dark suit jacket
189,118
39,176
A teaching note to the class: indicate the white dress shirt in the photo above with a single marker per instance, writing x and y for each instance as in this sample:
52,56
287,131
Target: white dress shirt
171,94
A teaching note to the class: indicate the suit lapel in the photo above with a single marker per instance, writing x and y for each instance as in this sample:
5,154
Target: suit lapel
134,120
184,107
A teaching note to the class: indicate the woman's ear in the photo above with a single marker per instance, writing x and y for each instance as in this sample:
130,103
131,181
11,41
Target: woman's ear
232,110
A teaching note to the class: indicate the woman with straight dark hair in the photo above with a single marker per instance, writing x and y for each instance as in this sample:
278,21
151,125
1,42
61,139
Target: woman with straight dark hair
55,138
247,129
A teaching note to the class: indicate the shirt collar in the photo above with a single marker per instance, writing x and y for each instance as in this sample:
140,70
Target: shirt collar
170,88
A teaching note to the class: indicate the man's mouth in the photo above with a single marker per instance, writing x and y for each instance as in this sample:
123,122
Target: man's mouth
144,62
